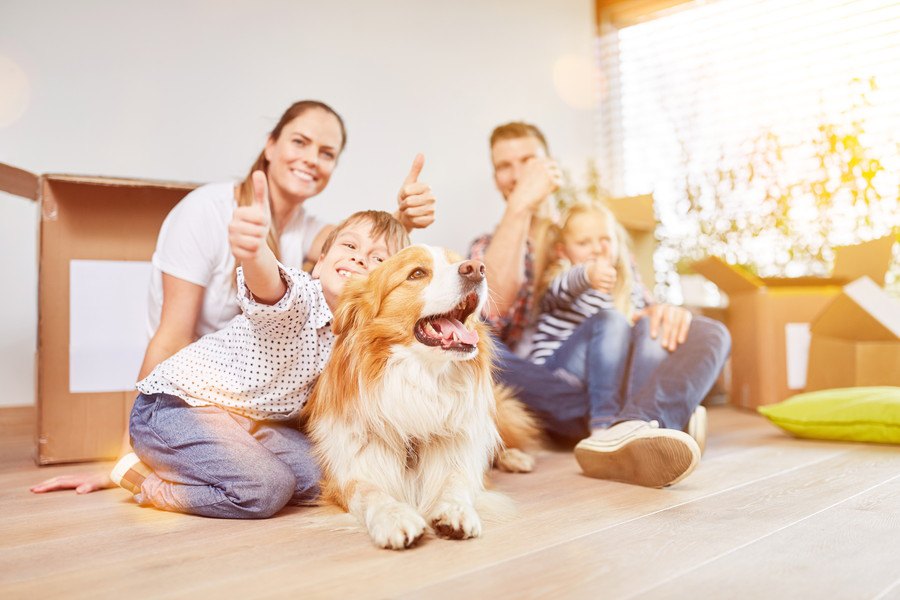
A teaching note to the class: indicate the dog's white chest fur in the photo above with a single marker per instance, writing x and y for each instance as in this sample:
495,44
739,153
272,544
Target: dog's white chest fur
417,425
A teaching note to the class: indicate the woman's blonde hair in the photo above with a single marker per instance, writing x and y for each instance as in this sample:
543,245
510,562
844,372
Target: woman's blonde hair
621,293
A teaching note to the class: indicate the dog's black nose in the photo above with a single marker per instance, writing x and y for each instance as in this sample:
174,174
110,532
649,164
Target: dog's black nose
472,270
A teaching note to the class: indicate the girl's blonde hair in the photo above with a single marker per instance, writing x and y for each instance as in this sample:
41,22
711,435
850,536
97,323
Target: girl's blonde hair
621,293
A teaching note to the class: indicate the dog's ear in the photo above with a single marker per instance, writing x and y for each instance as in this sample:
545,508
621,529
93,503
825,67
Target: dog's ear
359,303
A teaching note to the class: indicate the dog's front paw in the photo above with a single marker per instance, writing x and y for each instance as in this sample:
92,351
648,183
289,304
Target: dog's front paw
456,521
513,460
396,526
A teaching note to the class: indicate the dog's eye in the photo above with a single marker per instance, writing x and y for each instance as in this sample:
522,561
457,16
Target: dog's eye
417,273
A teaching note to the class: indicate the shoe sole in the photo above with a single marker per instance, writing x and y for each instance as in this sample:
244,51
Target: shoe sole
697,427
658,460
121,473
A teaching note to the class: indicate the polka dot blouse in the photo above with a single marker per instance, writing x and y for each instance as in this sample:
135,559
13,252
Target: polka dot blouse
264,363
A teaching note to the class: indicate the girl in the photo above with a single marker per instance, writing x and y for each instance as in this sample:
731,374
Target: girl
589,274
597,330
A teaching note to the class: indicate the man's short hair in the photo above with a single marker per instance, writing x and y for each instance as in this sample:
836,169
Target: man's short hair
518,129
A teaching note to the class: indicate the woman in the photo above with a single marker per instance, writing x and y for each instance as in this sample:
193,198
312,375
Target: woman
192,291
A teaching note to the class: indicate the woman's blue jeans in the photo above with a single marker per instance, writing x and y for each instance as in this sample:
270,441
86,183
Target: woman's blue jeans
609,371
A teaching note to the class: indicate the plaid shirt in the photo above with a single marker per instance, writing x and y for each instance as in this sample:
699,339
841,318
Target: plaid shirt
510,326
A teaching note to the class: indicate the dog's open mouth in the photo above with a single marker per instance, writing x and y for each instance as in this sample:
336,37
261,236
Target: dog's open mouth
447,330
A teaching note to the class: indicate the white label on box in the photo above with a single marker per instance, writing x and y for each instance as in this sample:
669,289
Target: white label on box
797,338
107,324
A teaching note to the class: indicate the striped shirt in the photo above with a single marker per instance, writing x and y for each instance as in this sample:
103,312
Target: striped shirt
568,302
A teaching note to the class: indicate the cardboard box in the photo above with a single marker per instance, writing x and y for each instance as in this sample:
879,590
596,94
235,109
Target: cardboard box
92,218
769,319
635,213
856,340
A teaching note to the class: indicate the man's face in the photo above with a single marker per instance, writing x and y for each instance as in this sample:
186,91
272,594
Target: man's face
509,157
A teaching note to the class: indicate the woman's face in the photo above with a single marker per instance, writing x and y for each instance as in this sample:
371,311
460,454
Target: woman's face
304,155
589,236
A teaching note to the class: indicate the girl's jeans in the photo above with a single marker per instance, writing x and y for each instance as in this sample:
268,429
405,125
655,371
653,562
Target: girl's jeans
210,462
608,372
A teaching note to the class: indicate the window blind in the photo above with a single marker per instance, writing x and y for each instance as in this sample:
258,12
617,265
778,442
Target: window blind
768,131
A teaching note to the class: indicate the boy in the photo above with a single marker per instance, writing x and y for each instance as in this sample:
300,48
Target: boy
214,429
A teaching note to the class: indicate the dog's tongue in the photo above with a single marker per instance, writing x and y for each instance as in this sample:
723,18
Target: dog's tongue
452,332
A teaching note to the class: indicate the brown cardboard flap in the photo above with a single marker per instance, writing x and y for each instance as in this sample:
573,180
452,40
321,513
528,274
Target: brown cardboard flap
869,259
788,282
634,213
863,311
731,279
18,182
120,181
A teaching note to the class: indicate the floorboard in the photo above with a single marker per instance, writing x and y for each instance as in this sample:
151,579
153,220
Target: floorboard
765,515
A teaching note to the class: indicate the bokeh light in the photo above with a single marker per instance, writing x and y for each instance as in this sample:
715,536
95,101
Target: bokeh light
15,91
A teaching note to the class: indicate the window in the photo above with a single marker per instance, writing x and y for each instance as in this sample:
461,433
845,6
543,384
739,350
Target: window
768,131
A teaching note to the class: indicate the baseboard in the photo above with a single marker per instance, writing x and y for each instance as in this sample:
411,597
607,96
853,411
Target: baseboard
18,420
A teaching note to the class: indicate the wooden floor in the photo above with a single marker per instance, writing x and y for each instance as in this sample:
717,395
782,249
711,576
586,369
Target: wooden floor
764,516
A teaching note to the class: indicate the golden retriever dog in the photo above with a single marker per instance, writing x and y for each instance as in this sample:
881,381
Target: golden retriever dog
404,418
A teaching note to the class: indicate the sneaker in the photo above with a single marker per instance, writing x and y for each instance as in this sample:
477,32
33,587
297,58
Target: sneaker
129,473
640,453
696,427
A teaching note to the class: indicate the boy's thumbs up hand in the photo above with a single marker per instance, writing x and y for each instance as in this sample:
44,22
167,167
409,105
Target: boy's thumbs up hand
415,199
249,225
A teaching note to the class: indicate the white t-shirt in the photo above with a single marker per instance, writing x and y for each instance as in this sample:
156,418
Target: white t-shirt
193,245
264,363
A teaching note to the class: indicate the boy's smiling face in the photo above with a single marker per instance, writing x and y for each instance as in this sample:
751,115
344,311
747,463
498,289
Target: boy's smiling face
352,253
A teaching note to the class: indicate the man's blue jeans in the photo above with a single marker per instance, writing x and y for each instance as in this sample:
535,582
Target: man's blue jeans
609,371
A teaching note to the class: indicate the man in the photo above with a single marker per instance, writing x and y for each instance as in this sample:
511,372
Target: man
662,383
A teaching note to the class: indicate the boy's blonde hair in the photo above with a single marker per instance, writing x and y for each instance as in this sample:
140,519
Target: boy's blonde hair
383,225
621,293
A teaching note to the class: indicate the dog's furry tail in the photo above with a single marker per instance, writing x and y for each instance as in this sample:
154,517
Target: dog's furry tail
495,507
517,427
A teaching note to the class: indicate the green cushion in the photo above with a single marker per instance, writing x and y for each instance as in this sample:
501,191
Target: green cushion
863,414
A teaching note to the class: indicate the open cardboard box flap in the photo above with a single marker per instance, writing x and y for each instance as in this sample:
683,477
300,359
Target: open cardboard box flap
862,312
634,212
868,259
856,339
26,184
18,182
731,279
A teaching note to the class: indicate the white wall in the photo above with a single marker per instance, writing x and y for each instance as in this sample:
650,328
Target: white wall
188,90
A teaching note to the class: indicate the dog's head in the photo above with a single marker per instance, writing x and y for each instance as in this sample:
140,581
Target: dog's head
423,297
